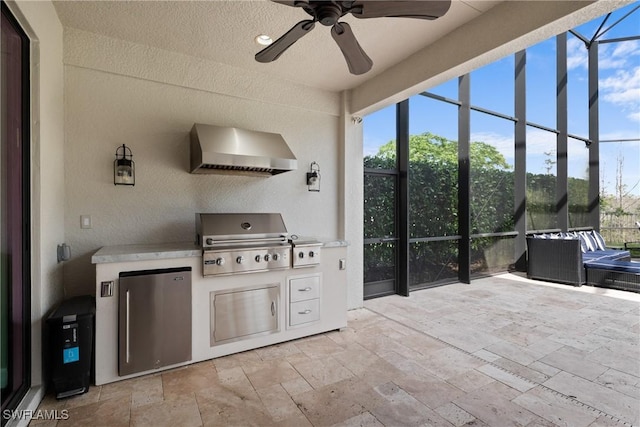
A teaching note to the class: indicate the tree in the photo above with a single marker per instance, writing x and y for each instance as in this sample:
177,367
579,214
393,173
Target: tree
549,162
433,149
433,209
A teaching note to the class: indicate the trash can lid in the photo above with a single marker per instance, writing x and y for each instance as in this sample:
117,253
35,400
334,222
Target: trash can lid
78,306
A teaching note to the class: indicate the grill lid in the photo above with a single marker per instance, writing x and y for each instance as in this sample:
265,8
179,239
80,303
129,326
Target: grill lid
218,228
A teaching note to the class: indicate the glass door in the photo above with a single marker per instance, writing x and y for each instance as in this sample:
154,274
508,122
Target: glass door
14,208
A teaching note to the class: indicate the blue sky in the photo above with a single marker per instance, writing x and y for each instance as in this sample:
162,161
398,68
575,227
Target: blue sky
619,86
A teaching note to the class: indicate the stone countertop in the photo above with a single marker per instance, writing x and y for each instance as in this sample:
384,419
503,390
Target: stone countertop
125,253
146,252
333,243
326,241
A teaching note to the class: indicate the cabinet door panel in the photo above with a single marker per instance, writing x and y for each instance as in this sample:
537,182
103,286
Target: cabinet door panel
154,323
240,314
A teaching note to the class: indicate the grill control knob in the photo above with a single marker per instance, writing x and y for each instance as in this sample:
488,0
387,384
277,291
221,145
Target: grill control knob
266,257
220,261
311,254
209,241
300,254
275,257
240,259
257,258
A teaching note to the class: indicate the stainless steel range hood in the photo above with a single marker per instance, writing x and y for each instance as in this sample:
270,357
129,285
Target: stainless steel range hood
216,149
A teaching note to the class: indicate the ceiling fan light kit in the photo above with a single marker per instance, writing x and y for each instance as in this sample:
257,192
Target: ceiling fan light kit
328,14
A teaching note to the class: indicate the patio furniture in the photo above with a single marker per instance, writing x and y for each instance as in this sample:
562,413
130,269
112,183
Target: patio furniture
561,257
633,245
555,261
624,275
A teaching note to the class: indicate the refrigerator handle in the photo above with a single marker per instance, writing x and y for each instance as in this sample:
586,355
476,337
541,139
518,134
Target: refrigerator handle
127,328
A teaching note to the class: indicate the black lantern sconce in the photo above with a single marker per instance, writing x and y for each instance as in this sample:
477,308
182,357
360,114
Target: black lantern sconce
124,168
313,177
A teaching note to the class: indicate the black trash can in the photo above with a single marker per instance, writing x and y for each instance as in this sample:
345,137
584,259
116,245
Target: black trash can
71,345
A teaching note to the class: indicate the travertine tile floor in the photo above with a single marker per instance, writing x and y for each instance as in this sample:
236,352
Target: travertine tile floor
503,351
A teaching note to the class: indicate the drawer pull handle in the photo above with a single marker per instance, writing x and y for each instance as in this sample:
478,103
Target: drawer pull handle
307,311
307,289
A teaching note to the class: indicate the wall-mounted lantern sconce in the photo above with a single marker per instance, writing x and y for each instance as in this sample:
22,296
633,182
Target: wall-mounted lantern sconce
124,168
313,177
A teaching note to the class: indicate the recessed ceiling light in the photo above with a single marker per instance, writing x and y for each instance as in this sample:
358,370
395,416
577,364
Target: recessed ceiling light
263,40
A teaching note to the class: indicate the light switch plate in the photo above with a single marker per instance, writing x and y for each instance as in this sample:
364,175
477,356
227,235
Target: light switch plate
85,221
106,289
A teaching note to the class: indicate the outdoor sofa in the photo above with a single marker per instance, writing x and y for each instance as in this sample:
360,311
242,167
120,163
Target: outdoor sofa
576,258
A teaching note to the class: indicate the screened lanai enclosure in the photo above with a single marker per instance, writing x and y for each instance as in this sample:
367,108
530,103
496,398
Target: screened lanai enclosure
545,139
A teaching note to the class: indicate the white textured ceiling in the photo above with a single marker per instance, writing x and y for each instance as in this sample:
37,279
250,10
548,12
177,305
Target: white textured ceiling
224,30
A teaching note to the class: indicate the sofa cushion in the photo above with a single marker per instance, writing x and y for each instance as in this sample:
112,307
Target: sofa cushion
624,266
540,236
599,240
607,255
588,240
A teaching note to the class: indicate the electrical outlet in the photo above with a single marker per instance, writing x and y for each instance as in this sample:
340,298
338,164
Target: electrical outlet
85,221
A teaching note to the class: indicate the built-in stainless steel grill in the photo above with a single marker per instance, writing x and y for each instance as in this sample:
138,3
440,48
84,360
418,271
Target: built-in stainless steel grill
248,243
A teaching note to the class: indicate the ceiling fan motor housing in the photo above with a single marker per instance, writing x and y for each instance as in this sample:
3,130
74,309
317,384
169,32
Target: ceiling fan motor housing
328,13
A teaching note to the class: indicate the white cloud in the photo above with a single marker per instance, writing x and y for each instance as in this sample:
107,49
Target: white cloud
623,90
617,55
620,136
611,56
503,143
540,141
577,55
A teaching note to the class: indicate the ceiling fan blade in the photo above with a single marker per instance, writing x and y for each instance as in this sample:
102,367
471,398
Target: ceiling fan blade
420,9
292,3
357,60
277,48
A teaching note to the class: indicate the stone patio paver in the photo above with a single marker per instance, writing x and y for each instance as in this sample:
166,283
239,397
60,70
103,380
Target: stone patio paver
503,351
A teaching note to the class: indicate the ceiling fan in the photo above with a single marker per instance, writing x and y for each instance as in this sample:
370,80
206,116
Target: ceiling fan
329,12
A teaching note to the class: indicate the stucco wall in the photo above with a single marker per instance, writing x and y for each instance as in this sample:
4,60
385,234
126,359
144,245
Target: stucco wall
122,93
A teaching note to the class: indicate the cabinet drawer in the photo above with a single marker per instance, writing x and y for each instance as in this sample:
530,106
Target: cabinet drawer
304,312
304,288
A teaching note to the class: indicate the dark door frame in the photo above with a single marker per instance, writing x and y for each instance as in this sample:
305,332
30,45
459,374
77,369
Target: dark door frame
19,294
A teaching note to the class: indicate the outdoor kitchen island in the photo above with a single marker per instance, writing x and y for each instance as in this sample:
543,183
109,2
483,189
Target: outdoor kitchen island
300,302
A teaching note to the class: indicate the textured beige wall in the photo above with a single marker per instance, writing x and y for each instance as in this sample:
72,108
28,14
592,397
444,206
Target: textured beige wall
121,93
